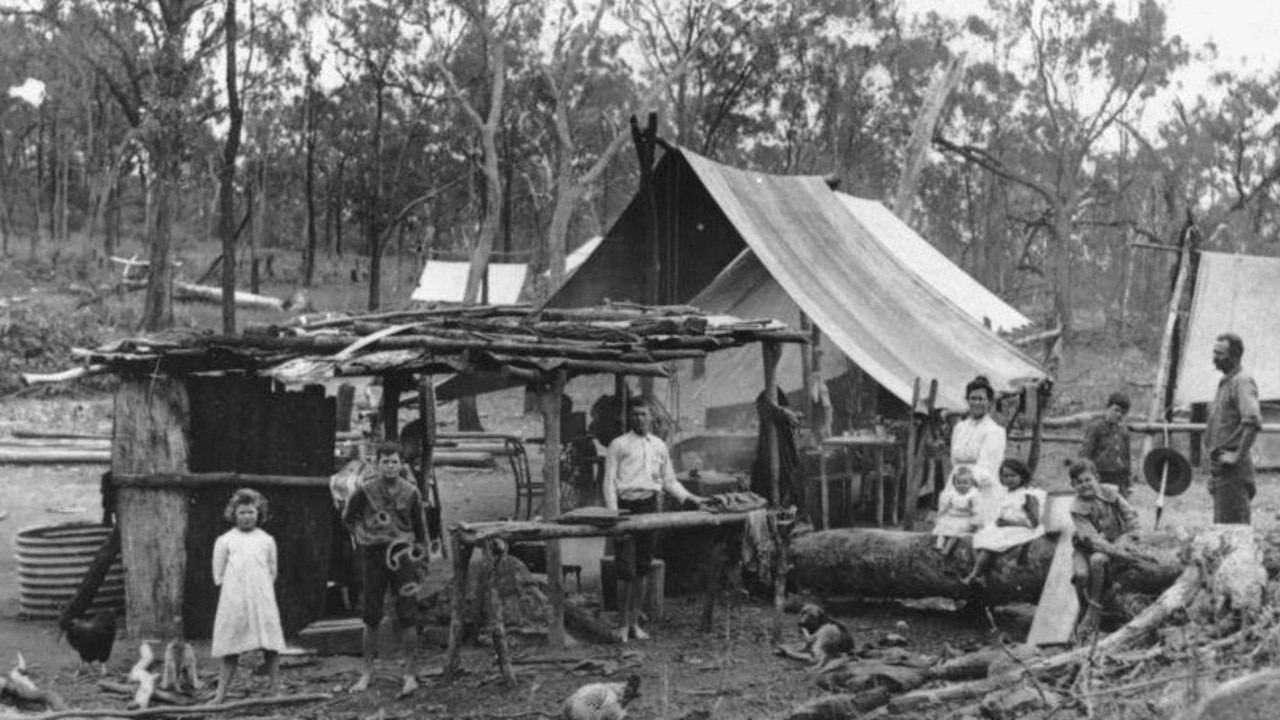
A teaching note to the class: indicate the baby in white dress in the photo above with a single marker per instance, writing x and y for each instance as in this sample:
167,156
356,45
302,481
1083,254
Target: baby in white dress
957,512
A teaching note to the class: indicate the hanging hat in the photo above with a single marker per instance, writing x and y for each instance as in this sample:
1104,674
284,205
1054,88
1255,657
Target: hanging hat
1162,460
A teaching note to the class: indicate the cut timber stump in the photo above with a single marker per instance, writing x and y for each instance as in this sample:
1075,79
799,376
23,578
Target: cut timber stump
870,562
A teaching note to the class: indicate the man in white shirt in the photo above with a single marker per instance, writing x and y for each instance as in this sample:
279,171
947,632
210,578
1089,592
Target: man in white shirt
637,470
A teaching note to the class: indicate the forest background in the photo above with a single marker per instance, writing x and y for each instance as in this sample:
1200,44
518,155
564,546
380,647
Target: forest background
337,134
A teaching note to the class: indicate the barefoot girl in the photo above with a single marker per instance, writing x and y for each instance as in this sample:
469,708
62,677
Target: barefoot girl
1019,520
244,565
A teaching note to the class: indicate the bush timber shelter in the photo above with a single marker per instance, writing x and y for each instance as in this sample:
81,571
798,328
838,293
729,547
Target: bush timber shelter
198,415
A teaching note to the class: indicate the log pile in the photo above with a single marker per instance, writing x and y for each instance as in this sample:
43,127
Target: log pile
1209,625
513,341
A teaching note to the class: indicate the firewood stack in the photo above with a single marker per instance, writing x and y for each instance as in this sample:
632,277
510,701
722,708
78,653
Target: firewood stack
1212,627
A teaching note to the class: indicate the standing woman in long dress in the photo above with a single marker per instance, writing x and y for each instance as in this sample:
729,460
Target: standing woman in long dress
978,442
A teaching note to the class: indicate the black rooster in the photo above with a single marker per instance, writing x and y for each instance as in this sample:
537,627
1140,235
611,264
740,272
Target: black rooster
92,637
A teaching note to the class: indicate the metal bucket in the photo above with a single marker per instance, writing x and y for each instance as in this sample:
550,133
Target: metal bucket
52,560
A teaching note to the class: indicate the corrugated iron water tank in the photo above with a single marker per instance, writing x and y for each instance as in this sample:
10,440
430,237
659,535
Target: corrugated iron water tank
52,560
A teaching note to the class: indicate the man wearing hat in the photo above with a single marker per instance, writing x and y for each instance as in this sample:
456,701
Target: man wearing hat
1234,419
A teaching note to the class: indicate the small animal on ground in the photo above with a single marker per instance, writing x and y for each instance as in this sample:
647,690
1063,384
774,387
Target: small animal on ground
181,671
601,701
91,637
825,638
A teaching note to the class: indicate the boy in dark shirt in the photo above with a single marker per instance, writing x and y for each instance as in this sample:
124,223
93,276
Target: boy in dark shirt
1106,443
1103,519
383,510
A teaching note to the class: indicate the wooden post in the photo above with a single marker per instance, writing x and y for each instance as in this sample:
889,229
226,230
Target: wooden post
1037,427
551,403
428,486
1163,372
392,386
781,538
806,373
911,483
772,354
150,435
461,553
427,443
824,490
493,603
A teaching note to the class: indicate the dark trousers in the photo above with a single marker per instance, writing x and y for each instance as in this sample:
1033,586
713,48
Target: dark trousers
634,552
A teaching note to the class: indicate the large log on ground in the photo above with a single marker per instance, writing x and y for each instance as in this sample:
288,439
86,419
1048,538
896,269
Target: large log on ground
870,562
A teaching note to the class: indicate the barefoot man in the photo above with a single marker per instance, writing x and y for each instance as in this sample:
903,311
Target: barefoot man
384,510
637,470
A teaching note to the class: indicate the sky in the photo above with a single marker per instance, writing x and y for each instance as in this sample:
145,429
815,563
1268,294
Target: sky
1246,31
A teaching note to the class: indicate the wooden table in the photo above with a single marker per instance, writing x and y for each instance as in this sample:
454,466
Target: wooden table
464,538
878,445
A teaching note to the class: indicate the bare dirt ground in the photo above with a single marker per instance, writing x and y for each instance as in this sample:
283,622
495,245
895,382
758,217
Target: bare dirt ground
728,674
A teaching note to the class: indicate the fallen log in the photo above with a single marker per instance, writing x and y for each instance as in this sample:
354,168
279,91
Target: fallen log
867,562
205,293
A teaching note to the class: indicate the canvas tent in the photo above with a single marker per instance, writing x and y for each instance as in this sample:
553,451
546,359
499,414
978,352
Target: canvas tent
786,244
446,281
922,258
1240,294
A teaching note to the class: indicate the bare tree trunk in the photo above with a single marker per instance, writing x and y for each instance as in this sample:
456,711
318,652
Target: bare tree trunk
309,257
374,229
227,178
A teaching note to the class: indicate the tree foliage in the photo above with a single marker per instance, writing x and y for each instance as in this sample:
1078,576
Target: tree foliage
496,129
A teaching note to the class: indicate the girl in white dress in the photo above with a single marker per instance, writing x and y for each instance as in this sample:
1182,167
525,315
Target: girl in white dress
244,565
1019,520
957,512
978,443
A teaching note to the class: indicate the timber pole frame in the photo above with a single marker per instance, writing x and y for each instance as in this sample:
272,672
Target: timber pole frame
551,395
1160,391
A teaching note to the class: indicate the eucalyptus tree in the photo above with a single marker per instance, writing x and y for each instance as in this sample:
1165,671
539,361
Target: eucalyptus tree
1061,79
591,92
374,39
152,57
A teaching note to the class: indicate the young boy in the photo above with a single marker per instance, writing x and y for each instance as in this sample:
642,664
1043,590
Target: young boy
1106,443
1102,519
381,511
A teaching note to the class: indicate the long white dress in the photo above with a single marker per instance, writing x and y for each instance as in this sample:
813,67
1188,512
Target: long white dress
999,538
244,565
979,446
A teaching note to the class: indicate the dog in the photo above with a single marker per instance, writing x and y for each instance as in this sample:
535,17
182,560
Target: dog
825,639
180,670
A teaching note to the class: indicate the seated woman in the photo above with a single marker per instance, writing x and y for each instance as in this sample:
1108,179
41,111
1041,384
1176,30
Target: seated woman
1018,521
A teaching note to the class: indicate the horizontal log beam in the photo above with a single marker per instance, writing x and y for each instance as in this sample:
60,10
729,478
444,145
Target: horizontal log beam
473,533
195,480
1156,428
